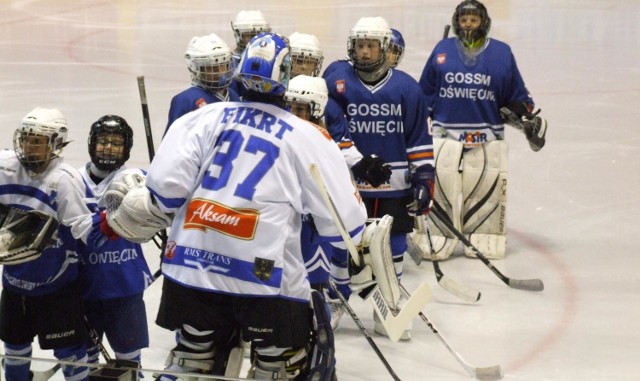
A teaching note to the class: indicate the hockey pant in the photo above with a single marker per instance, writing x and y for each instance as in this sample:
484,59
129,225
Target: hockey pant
471,191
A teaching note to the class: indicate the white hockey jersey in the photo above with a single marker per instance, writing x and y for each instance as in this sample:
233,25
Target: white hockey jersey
236,175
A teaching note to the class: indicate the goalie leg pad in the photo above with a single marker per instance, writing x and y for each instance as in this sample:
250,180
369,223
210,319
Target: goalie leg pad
321,362
378,237
448,196
485,198
138,219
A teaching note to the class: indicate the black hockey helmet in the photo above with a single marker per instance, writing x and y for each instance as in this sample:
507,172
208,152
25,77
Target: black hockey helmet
471,7
110,125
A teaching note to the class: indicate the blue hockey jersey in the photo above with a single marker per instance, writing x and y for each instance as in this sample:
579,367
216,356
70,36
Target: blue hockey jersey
388,119
192,99
465,93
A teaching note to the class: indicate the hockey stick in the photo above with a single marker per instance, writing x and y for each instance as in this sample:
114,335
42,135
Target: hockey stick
459,290
490,373
521,284
97,340
354,317
394,321
147,129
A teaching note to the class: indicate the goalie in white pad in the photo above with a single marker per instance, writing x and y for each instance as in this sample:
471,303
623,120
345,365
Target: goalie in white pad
131,210
471,190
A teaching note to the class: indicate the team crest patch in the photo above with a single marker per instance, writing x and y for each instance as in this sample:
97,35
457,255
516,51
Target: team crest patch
170,250
201,102
441,58
262,268
340,86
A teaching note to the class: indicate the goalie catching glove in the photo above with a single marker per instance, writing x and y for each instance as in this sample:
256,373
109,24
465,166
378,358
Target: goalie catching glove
131,211
518,115
24,235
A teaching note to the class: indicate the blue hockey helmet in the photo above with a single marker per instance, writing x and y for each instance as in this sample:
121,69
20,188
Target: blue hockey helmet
473,36
265,66
396,48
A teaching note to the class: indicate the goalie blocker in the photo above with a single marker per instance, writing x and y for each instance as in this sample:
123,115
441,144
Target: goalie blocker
24,234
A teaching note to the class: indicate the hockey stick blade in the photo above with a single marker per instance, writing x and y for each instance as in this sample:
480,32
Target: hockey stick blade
491,373
395,324
461,291
521,284
44,375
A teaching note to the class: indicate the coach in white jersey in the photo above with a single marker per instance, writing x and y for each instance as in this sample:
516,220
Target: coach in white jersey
236,177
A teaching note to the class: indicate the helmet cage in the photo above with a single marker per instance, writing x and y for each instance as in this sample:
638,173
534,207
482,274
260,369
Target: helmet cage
40,122
211,72
309,90
110,125
247,25
471,7
396,48
383,36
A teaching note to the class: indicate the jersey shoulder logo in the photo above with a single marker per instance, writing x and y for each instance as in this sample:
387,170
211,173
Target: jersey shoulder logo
441,58
201,102
341,87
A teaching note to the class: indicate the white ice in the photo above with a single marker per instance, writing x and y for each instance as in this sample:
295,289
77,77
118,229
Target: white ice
572,217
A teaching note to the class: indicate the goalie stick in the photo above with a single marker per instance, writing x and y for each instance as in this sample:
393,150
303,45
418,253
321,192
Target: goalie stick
395,322
490,373
354,317
521,284
162,234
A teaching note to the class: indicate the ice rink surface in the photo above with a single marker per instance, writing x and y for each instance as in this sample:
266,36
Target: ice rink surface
572,215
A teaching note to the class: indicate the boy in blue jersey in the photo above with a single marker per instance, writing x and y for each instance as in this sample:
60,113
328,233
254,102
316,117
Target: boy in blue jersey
387,120
211,66
471,83
43,297
113,277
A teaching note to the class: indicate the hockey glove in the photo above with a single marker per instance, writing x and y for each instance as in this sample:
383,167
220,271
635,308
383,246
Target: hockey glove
373,170
423,184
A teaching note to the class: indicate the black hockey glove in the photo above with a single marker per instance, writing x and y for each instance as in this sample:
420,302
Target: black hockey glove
423,187
522,110
517,114
372,170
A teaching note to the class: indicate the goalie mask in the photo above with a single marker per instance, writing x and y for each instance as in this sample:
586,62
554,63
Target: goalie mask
308,95
40,138
209,62
110,141
265,66
367,45
471,23
247,25
306,54
396,49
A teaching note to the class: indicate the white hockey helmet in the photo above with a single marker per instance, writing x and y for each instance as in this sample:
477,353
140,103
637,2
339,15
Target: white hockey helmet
209,62
308,90
247,25
306,54
369,28
41,136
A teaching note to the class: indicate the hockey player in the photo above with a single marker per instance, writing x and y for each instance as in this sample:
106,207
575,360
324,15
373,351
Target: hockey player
387,120
211,68
245,26
236,178
114,276
472,85
43,297
396,49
